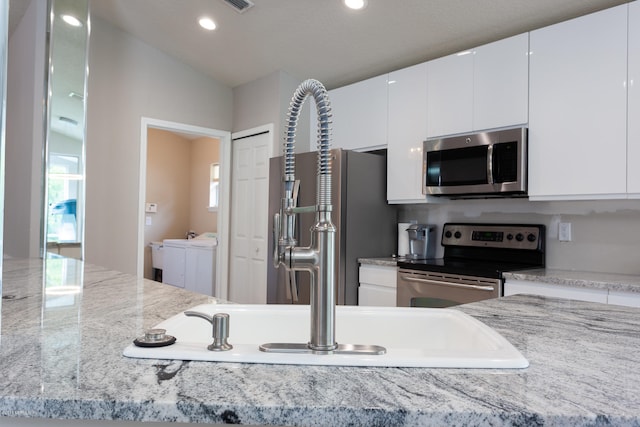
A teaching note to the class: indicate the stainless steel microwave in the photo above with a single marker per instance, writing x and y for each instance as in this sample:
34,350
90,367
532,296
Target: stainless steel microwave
482,164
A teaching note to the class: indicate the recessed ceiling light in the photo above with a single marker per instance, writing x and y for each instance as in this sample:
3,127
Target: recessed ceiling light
207,23
356,4
72,20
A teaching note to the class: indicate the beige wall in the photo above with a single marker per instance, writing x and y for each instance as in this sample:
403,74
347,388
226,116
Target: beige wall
129,80
177,181
204,151
266,100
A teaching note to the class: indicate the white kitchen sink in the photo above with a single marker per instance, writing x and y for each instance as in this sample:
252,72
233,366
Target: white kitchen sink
413,337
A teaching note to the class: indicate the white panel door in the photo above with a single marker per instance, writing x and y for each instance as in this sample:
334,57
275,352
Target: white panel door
633,137
249,219
578,108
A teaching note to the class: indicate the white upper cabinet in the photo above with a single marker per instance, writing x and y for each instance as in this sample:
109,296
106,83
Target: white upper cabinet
450,94
407,130
633,141
577,108
359,115
478,89
501,83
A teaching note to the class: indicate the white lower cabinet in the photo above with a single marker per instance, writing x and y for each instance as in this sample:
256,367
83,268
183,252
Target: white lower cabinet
629,299
189,267
604,296
633,102
175,260
512,287
200,270
377,285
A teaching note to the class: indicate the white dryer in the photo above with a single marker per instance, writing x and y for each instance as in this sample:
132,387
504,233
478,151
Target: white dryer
191,263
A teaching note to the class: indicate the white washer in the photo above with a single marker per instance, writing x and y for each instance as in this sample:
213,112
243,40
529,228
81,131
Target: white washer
191,264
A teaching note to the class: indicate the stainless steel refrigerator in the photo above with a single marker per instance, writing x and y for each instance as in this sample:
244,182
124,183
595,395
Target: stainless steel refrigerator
365,223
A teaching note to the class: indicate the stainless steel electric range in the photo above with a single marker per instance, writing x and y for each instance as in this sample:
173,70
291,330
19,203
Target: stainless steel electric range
475,258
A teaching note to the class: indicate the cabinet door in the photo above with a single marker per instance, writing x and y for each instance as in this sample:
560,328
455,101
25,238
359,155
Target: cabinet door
377,285
407,130
628,299
360,115
200,270
577,107
450,94
633,137
376,296
501,83
174,265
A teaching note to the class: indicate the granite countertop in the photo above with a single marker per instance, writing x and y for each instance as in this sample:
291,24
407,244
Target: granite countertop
64,329
579,279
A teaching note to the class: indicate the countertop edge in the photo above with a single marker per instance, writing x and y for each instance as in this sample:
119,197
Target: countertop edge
573,278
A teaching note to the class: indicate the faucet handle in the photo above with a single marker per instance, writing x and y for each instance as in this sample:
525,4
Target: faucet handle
220,329
291,286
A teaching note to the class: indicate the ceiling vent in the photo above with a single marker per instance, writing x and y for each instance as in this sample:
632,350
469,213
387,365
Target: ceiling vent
240,6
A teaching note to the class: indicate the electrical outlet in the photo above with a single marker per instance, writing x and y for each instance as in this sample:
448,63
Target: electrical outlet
148,220
151,207
564,231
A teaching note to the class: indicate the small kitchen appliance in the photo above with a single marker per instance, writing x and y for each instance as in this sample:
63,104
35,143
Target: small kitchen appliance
475,258
481,164
422,241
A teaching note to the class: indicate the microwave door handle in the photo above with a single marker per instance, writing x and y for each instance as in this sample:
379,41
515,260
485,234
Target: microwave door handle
490,164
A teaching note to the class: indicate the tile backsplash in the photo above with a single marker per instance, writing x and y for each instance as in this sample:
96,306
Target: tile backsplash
605,234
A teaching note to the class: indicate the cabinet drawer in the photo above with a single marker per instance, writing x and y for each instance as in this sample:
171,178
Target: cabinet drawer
378,275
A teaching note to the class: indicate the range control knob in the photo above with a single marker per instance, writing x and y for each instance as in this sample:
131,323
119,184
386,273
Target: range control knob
447,234
531,237
509,236
457,235
519,237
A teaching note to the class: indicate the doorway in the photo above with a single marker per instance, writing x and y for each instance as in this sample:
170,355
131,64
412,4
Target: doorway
149,209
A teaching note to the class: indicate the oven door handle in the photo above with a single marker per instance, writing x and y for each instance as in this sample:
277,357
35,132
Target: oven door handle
455,285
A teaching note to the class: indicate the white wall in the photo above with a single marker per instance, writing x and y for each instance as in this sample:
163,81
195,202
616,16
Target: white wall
605,234
128,80
266,100
25,134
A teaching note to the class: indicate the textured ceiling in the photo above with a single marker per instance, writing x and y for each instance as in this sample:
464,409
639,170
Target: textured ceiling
324,40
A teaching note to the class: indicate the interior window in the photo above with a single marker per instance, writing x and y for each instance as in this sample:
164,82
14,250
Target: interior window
214,186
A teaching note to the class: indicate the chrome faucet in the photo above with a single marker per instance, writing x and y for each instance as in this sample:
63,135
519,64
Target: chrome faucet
318,258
